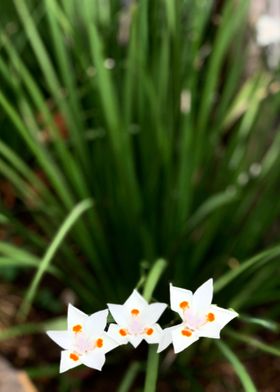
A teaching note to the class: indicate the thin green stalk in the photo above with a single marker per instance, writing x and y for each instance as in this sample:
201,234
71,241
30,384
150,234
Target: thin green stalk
153,278
152,370
52,249
129,377
249,340
239,368
32,328
153,357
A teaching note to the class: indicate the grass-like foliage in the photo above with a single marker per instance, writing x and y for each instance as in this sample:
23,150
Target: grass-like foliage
148,110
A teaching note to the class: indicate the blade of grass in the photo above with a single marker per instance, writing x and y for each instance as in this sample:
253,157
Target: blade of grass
153,278
67,73
257,260
71,166
52,249
153,358
226,31
129,377
248,339
268,324
152,370
23,263
32,328
239,368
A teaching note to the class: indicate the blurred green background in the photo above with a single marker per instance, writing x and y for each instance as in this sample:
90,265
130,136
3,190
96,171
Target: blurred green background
132,131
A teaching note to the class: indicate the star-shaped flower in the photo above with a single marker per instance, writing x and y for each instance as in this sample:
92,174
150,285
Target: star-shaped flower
136,320
84,341
200,318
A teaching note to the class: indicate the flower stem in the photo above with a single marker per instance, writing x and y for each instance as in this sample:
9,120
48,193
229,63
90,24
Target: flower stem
153,358
152,370
153,278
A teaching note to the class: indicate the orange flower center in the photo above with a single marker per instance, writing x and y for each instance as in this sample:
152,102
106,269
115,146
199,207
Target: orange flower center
210,317
74,357
77,328
149,331
122,332
183,305
186,332
135,312
99,343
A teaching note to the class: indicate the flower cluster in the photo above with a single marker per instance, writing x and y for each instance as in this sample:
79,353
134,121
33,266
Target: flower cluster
86,342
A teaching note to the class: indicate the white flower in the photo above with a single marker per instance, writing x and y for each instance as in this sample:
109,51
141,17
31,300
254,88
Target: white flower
136,320
268,30
199,317
84,341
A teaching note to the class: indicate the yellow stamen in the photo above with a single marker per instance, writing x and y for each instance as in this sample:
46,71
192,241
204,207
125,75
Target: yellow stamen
122,332
186,332
74,357
210,317
99,343
183,305
77,328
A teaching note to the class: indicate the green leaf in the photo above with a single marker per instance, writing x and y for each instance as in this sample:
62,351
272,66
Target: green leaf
129,377
152,370
256,261
251,341
32,328
153,278
239,368
71,219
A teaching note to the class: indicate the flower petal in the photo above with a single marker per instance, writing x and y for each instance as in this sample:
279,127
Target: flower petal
62,338
75,317
220,318
96,323
153,334
68,360
108,343
209,331
152,313
114,333
202,297
94,359
166,338
135,301
178,298
135,340
181,341
119,313
224,316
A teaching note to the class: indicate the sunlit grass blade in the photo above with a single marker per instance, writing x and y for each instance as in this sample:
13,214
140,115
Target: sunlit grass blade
152,370
239,368
67,74
42,158
6,262
263,323
56,89
32,328
52,249
153,278
225,33
251,341
257,260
